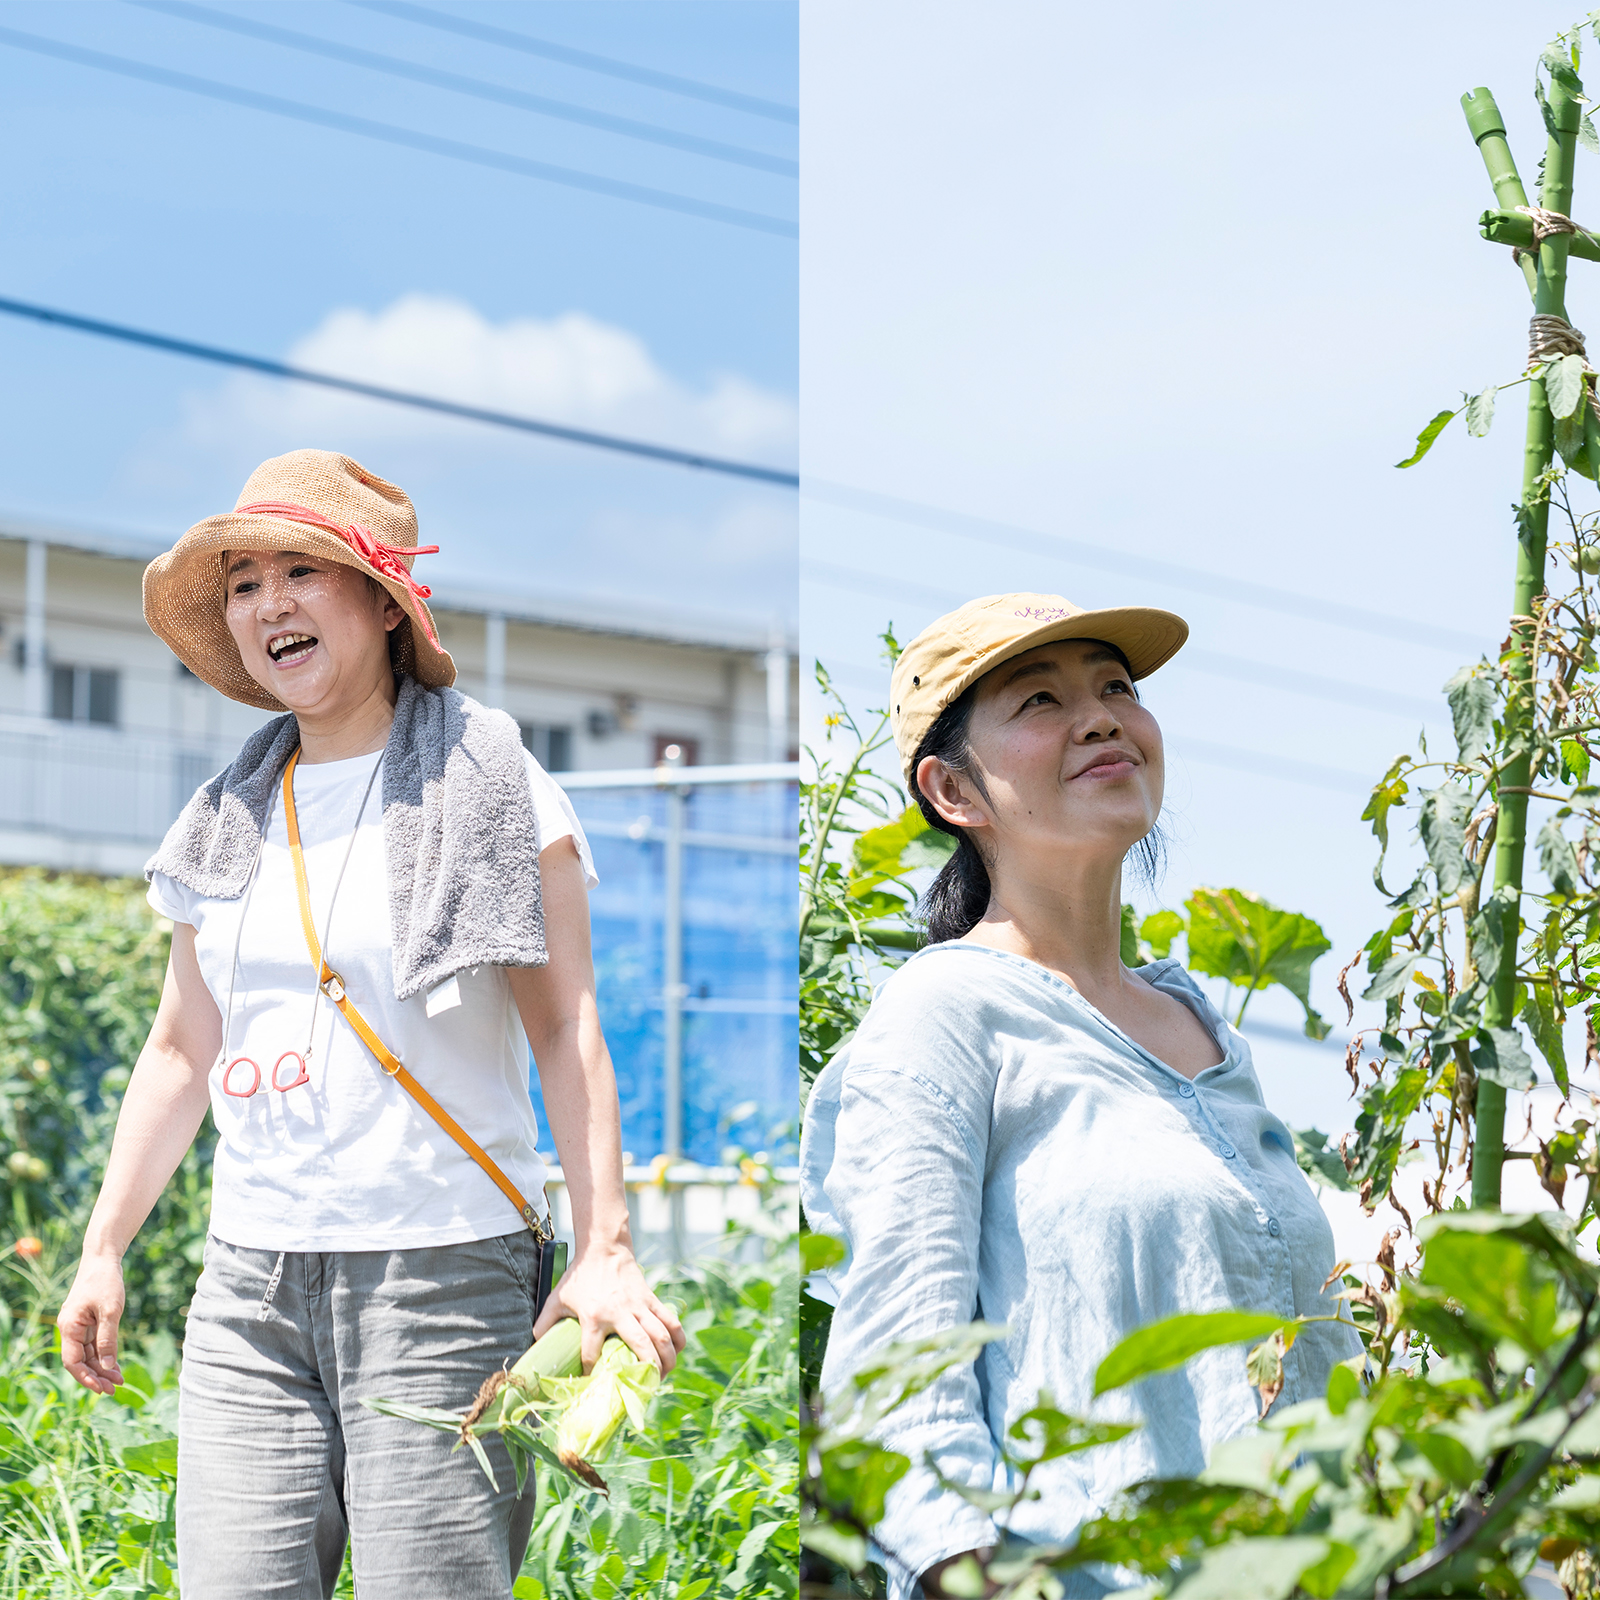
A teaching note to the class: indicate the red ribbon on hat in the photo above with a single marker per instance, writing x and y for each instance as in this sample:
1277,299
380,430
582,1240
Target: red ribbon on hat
366,544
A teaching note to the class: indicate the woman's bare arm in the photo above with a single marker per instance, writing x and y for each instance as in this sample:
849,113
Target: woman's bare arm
161,1112
603,1288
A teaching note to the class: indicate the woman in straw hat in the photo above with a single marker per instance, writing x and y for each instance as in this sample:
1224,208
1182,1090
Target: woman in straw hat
1026,1131
375,908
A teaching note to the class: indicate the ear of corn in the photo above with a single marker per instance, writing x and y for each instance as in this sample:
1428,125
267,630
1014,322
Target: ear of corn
547,1386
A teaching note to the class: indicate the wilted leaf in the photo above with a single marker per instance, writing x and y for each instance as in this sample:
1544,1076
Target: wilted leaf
1472,702
1425,439
1174,1340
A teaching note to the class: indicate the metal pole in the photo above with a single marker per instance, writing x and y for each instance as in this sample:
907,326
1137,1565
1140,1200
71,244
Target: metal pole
494,654
36,699
672,994
777,665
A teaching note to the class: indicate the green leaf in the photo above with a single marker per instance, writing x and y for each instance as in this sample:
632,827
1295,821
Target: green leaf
1498,1056
158,1459
1050,1434
837,1541
1241,937
1324,1580
1389,791
819,1250
1575,758
1159,929
1480,413
1587,137
1557,857
1129,951
1344,1387
1472,704
1442,822
1391,978
1174,1340
1448,1457
1425,439
1571,441
1493,931
1322,1164
886,854
1499,1283
1564,385
1254,1569
1540,1019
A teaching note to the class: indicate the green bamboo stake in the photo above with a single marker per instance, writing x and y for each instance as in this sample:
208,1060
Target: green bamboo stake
1506,227
1489,130
1550,284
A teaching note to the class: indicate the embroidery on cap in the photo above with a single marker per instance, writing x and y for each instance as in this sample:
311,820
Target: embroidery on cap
1044,613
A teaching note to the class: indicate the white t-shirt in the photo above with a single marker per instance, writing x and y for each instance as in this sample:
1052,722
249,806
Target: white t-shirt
348,1160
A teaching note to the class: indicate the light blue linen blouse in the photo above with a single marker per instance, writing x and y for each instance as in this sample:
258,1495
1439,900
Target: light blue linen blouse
990,1146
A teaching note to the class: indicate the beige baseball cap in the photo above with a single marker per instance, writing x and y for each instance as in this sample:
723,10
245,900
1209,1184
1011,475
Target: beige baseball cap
950,655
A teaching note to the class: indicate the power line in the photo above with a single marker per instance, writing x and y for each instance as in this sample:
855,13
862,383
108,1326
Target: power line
373,391
589,62
395,67
1059,547
408,138
1309,685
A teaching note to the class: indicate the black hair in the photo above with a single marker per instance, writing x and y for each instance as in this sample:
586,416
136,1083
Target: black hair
955,902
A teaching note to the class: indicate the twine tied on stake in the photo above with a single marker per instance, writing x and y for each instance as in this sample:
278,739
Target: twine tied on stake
1549,338
1545,223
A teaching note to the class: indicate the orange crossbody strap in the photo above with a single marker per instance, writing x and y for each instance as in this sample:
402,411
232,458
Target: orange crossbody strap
333,986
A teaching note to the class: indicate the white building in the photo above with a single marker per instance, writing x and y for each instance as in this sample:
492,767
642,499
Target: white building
104,734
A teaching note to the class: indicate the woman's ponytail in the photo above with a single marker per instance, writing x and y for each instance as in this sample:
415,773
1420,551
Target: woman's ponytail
954,903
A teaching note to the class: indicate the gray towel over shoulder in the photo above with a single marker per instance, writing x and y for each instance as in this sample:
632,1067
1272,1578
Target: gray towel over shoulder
459,831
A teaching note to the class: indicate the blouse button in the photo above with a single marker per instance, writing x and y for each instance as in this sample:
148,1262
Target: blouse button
1273,1228
1186,1089
1227,1150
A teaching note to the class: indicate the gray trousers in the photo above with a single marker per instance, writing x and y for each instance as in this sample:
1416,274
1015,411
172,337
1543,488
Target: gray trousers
278,1461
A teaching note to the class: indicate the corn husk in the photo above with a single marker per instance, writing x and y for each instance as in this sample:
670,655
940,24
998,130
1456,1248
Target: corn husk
592,1408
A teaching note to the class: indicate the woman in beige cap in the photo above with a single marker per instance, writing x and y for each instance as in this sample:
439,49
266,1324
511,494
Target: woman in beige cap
357,970
1026,1131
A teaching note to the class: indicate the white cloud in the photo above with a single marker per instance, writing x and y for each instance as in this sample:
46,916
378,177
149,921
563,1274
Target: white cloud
572,369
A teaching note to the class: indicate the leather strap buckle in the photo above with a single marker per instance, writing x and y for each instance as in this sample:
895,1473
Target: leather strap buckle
333,986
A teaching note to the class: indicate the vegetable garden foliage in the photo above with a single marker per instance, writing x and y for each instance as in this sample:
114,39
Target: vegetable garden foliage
1465,1443
81,967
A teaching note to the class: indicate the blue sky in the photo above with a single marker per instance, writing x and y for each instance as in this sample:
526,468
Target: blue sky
154,207
1088,300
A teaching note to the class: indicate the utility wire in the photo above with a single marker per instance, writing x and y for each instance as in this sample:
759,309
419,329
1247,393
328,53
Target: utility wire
1058,547
373,391
395,67
1309,685
449,23
408,138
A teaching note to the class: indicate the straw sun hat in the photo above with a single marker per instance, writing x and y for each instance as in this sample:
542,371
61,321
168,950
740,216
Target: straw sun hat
315,502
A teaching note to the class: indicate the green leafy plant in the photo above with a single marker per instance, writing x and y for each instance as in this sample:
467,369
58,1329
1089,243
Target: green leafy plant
81,967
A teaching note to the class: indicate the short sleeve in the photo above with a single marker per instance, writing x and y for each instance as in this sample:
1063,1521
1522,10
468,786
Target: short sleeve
169,899
557,819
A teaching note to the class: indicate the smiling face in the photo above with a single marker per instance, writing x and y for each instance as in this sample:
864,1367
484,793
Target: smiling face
1069,763
310,631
